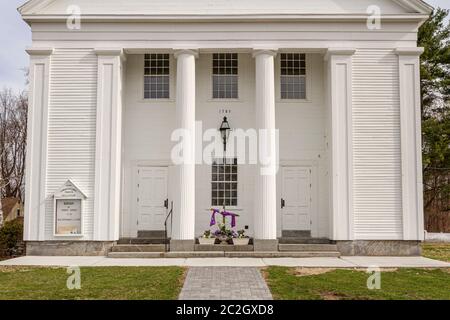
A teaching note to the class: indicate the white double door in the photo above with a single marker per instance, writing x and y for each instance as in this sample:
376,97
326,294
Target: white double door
296,198
152,190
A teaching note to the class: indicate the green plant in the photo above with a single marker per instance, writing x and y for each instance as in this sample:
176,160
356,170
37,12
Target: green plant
224,232
11,236
207,234
240,235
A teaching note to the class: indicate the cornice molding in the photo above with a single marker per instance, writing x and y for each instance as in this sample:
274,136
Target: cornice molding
39,51
339,52
409,51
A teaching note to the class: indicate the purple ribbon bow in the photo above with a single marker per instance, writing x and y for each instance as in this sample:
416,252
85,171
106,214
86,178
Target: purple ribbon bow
213,217
224,214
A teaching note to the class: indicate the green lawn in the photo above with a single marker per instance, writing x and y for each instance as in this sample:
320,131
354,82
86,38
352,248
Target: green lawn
411,284
115,283
438,251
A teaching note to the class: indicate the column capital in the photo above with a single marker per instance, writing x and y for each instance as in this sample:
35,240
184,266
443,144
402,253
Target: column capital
178,52
409,51
339,52
273,52
39,51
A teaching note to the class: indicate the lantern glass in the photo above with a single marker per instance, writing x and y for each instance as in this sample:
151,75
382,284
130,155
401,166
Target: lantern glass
225,130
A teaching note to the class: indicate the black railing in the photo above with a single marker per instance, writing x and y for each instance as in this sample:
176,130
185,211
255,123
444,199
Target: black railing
166,239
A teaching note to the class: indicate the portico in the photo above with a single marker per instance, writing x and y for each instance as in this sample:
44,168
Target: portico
332,104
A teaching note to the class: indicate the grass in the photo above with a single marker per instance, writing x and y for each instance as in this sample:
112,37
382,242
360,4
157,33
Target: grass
112,283
402,284
438,251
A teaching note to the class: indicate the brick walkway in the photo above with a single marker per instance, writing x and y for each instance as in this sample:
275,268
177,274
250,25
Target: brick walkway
224,283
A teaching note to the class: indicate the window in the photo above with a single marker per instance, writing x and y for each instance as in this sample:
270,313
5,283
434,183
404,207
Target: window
293,76
224,182
225,76
156,76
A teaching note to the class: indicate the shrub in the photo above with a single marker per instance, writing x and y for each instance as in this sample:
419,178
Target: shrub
11,237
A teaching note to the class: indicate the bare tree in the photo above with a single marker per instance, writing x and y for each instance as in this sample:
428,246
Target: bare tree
13,134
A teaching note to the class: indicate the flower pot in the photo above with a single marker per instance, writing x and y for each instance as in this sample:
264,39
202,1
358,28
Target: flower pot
223,239
208,241
240,241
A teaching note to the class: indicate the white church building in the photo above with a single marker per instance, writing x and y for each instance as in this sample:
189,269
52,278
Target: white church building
112,82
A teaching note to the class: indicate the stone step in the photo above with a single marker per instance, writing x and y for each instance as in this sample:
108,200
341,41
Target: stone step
296,234
152,234
221,254
134,255
285,254
141,241
220,247
139,248
307,247
293,240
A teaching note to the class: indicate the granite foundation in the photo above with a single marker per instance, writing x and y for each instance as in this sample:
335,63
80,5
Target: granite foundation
379,248
69,248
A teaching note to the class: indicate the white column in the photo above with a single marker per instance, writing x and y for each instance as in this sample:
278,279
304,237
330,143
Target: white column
265,214
36,161
108,145
339,84
184,200
411,143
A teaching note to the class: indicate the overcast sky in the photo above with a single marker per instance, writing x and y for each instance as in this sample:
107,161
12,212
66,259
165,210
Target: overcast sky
15,37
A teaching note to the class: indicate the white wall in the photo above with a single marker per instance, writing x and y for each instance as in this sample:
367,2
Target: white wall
72,130
377,172
148,125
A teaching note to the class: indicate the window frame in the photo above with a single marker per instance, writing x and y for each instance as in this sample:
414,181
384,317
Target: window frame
212,75
308,79
170,76
218,181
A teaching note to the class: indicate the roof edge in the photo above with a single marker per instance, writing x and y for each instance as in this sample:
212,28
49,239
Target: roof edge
221,17
417,5
33,4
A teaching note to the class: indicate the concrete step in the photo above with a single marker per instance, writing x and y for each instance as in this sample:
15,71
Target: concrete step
155,234
138,248
307,247
221,254
296,234
294,240
220,247
134,255
153,255
141,241
285,254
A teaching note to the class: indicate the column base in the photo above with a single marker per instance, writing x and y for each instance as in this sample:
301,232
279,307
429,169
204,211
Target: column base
265,245
182,245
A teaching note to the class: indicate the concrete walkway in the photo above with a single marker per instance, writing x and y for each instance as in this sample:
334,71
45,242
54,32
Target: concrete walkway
343,262
224,283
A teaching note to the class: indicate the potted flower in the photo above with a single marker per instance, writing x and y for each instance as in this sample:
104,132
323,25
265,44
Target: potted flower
223,234
207,238
240,239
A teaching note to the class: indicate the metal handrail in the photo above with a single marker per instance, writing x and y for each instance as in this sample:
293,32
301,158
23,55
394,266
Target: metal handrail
169,215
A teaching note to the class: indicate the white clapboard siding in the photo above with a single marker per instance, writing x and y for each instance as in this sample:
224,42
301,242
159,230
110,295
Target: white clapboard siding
376,146
71,129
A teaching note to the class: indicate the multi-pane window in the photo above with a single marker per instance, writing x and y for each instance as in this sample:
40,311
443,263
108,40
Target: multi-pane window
293,76
225,75
224,182
157,76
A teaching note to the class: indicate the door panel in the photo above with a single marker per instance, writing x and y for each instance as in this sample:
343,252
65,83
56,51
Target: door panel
152,192
296,192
